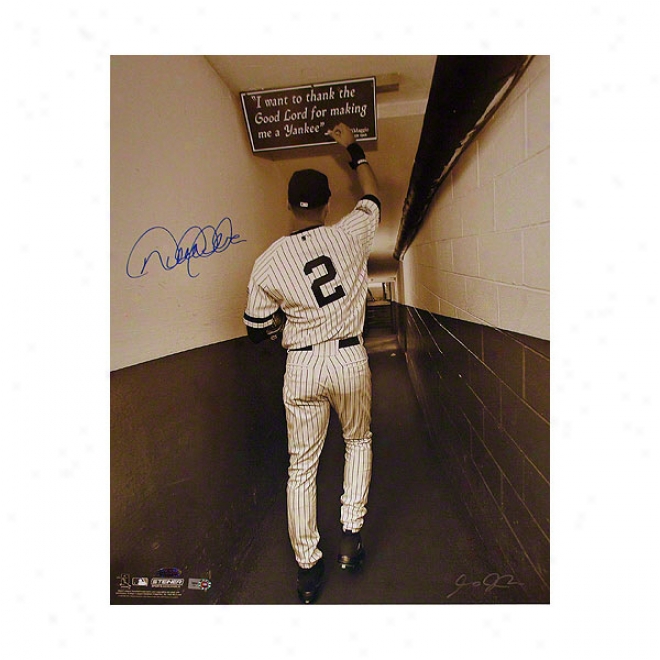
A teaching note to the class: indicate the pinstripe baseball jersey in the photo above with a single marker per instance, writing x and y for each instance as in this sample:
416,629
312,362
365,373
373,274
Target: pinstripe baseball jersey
318,278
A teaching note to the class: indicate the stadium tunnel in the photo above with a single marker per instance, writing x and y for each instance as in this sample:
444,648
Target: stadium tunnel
457,331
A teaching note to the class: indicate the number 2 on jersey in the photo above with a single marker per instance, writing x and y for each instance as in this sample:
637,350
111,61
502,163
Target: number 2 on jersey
330,273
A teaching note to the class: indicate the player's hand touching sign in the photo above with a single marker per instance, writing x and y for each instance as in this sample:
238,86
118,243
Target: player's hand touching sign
342,134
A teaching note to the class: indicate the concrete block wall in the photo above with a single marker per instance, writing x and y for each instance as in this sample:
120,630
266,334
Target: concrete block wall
483,252
486,400
473,294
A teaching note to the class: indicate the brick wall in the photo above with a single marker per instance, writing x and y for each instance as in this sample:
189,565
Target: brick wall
483,251
485,396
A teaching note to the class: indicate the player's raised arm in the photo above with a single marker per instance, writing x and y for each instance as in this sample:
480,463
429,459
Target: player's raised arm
343,135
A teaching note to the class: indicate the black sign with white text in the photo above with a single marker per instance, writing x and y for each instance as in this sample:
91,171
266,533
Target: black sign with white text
300,116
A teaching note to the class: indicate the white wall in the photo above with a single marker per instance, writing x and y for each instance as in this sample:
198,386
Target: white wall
180,158
483,253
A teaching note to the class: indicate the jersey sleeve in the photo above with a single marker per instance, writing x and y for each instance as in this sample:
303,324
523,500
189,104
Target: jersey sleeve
363,220
261,306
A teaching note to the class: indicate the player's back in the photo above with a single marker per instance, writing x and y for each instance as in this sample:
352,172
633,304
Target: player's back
320,276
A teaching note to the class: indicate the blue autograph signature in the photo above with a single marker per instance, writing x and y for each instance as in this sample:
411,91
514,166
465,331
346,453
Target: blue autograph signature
195,243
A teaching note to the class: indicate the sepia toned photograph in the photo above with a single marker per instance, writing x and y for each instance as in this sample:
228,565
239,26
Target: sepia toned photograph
330,328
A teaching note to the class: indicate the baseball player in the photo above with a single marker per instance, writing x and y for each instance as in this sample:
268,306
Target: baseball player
312,287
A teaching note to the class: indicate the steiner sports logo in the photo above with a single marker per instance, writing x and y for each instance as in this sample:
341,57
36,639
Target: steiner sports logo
167,583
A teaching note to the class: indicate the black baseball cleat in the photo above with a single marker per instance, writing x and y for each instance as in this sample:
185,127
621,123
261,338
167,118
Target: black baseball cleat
309,582
351,550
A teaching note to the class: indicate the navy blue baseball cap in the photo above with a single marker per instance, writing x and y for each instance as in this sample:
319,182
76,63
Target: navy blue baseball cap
308,189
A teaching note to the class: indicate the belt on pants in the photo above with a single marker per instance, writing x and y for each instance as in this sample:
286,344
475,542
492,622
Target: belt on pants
343,343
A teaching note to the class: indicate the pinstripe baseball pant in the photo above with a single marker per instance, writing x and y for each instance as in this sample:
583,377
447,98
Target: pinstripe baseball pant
315,380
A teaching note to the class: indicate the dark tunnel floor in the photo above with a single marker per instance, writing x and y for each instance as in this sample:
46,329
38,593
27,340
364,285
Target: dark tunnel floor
421,546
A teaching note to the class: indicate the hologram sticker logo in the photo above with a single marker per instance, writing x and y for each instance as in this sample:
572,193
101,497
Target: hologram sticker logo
169,572
199,584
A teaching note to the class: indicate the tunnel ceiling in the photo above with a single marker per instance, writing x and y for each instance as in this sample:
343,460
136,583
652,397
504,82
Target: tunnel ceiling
407,137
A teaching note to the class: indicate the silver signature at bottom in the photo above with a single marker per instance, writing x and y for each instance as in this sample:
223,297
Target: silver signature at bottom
489,583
